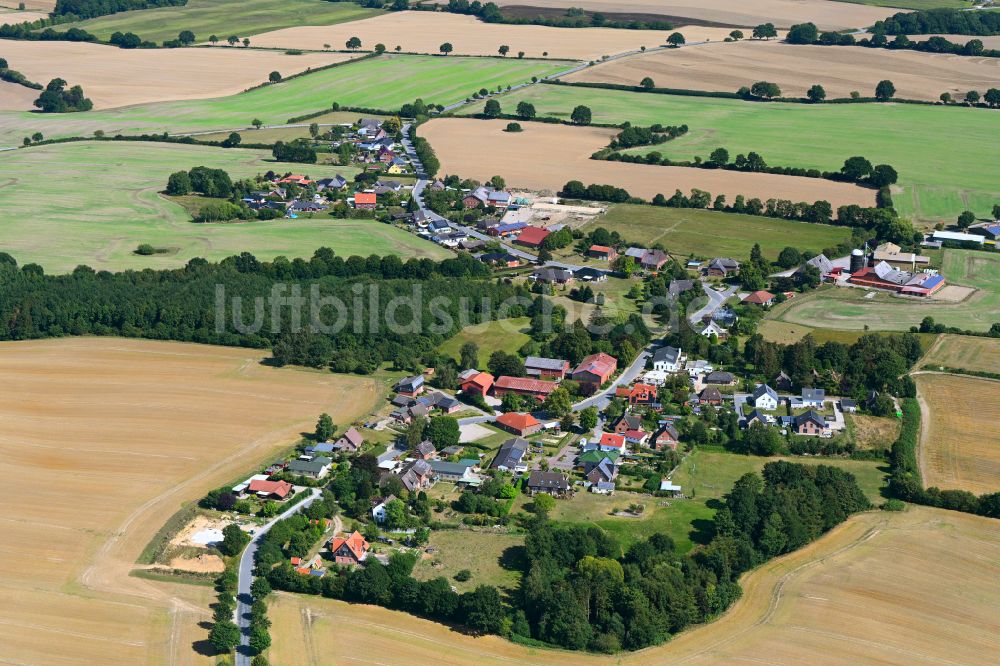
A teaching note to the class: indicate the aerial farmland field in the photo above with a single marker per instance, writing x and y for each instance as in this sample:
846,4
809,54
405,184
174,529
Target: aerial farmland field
940,173
856,309
386,82
223,18
103,440
818,600
965,353
100,220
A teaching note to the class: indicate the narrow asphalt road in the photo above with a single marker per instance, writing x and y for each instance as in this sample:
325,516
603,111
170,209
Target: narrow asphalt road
715,301
243,597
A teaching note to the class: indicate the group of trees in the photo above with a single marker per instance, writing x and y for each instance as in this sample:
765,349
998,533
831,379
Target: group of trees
85,9
632,136
203,180
946,21
14,76
57,99
296,150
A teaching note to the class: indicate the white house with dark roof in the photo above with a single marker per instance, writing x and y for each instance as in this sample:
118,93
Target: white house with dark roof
668,359
764,397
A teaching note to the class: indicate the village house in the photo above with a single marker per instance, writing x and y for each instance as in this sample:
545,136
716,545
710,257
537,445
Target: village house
649,260
378,508
604,470
410,386
316,468
272,490
811,423
610,441
602,252
338,182
588,274
764,397
849,406
524,386
351,550
710,395
322,447
722,267
636,437
436,400
473,381
462,472
507,229
667,486
365,200
519,424
594,371
712,328
720,378
510,457
627,422
531,237
698,367
668,359
762,298
350,441
417,476
546,368
666,438
783,382
500,259
810,397
589,460
638,394
756,417
425,450
552,276
550,483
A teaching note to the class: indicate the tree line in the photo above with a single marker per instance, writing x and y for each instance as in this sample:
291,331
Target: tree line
85,9
14,76
808,33
947,21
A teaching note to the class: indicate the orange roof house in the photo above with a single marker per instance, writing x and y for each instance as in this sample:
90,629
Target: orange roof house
366,200
611,441
275,489
760,298
602,252
519,424
535,388
296,178
479,383
349,550
639,394
532,236
594,370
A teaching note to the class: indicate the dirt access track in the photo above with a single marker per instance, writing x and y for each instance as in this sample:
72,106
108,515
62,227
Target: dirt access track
839,69
919,587
113,77
546,156
104,439
827,15
425,32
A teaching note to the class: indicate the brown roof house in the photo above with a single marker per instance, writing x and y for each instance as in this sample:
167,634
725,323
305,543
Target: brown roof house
350,441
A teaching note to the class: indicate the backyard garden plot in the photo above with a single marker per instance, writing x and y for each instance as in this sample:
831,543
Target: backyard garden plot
425,32
224,18
941,173
386,83
103,440
840,70
706,233
783,13
857,309
101,219
960,442
882,587
545,156
965,353
113,77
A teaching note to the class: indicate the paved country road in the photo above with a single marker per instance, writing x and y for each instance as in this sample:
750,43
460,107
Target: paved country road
715,301
243,597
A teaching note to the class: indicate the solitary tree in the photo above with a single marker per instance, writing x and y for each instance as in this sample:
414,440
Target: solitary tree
588,419
736,35
946,98
446,48
719,156
503,50
675,39
972,97
233,40
526,110
992,97
353,43
816,93
325,428
520,54
765,31
765,89
647,83
966,219
246,41
469,355
581,115
257,122
214,39
274,77
885,91
492,109
186,37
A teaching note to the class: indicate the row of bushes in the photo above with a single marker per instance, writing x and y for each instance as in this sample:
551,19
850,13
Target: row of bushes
424,153
808,33
14,76
905,481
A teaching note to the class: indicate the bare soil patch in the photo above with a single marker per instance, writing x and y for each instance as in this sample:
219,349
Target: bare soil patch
546,156
900,588
204,563
783,13
103,439
840,70
424,32
959,443
113,77
874,432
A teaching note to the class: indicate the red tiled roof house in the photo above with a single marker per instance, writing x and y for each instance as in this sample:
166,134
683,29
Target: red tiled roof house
533,388
349,550
594,371
480,383
532,236
519,424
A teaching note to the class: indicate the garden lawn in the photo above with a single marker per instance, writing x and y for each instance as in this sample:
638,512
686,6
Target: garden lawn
941,172
479,552
224,18
386,82
706,233
849,309
59,218
507,335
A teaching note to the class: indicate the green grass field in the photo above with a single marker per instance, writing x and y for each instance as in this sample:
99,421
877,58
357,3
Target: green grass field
225,17
386,83
506,335
705,477
708,233
944,164
93,203
479,552
849,309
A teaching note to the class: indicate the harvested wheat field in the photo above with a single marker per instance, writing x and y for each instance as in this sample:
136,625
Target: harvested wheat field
10,16
826,14
840,70
918,587
15,97
959,439
547,156
424,32
964,352
113,77
103,439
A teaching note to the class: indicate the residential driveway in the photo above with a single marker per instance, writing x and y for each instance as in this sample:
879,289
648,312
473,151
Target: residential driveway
563,460
715,301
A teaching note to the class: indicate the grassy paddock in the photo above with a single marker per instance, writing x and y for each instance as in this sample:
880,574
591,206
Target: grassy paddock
58,219
224,18
479,552
849,309
709,233
385,83
506,335
967,353
941,173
